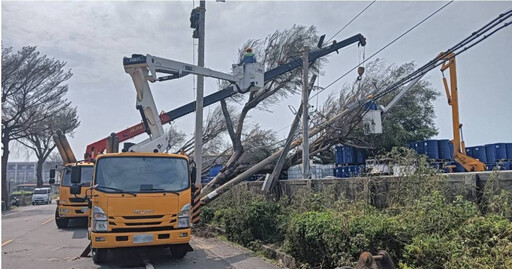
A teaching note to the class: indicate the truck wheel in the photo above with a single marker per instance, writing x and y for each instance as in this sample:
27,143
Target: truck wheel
61,222
179,251
99,255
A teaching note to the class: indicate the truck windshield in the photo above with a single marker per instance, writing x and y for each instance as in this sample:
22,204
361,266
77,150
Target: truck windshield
85,178
142,174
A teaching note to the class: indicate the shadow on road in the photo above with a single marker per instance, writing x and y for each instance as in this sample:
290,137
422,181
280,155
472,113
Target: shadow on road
160,257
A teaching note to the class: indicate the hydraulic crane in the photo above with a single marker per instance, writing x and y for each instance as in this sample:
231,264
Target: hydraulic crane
130,205
459,148
246,77
99,146
70,206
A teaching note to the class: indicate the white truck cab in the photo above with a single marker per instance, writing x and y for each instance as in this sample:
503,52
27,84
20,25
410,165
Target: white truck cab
42,196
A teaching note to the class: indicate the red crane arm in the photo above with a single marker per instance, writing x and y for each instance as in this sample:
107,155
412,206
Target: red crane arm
130,132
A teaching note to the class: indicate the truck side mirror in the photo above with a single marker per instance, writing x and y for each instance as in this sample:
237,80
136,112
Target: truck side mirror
75,189
75,174
193,175
52,174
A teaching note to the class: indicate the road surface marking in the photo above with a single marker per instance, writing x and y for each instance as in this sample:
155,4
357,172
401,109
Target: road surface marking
47,221
7,242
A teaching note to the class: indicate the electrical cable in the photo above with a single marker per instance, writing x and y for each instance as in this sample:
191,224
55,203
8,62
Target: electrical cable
438,61
465,44
383,48
346,25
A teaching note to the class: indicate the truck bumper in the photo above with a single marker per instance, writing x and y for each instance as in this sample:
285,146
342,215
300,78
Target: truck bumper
129,239
73,211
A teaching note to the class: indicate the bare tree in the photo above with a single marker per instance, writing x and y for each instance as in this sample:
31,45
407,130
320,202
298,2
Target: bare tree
31,92
39,138
278,48
176,138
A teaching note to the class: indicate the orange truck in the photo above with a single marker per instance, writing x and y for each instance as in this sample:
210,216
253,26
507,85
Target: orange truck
70,206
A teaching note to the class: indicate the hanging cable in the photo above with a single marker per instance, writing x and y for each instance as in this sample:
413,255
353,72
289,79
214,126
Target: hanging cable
353,19
386,46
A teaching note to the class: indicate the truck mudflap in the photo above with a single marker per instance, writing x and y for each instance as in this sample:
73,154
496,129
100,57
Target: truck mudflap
189,247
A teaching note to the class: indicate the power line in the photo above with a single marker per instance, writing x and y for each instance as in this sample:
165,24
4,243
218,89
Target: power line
457,49
464,44
353,19
383,48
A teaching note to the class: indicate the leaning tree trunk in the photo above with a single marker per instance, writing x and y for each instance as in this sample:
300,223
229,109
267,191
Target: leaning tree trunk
39,173
5,158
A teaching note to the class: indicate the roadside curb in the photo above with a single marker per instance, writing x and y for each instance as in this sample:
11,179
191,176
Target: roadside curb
269,252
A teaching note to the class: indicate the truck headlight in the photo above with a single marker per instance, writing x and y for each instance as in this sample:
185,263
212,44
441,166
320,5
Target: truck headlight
99,218
184,217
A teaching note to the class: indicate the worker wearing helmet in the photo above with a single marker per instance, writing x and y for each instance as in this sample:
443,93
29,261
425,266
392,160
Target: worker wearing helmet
248,57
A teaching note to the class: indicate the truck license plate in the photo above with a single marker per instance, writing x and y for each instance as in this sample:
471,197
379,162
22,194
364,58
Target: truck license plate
85,209
142,238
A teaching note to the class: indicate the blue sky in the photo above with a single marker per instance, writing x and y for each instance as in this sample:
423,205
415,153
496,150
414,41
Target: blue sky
94,36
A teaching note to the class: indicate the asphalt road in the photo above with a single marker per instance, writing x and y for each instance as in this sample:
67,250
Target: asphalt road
30,239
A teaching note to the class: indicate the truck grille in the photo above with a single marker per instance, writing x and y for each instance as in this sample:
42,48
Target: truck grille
145,217
150,229
142,223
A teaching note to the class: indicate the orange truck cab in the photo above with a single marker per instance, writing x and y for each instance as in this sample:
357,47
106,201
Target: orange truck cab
70,206
138,200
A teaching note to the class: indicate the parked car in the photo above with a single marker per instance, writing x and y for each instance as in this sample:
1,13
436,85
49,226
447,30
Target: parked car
41,196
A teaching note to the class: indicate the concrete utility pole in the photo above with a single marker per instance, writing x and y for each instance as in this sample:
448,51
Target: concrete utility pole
305,114
198,141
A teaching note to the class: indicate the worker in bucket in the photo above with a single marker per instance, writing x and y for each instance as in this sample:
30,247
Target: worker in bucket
248,57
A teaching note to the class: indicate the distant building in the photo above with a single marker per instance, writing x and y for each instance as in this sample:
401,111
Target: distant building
25,172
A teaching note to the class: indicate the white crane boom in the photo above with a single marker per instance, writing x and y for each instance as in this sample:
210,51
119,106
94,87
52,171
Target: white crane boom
246,77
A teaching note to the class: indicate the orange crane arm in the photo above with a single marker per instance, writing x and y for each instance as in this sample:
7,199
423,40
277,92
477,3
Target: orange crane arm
459,148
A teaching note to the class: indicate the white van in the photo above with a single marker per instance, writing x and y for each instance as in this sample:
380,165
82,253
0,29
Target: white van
41,196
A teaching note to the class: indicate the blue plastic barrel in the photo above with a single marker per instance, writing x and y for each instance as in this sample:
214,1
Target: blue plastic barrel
339,156
361,156
353,170
345,171
469,151
444,149
349,155
500,150
419,147
490,152
410,145
337,172
431,149
480,153
509,150
342,172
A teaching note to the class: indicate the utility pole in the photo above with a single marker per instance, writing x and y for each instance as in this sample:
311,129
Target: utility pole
305,114
198,141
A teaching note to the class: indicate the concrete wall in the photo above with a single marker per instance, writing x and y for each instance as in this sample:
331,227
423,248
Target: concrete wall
470,185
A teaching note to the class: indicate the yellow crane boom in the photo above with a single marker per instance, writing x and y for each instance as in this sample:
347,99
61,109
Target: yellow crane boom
459,148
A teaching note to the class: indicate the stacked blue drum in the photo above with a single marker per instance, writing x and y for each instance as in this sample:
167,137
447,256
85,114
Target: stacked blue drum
349,161
437,150
440,154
